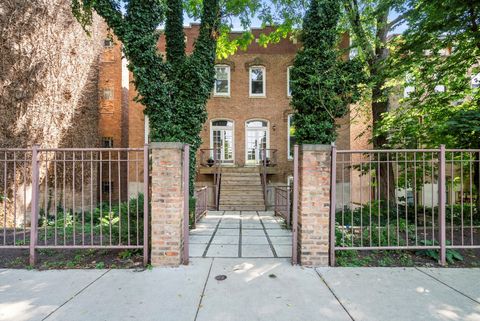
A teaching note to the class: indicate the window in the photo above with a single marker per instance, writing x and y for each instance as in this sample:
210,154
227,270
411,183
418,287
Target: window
289,91
290,137
107,94
106,186
257,81
107,142
222,81
409,79
108,43
475,83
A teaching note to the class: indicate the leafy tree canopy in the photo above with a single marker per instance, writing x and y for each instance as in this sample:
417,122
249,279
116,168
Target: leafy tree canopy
323,84
436,57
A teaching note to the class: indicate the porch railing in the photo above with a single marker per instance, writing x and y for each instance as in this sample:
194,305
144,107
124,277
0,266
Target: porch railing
209,158
405,199
74,198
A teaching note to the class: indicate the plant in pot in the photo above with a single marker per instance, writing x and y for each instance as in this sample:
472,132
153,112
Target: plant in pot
210,162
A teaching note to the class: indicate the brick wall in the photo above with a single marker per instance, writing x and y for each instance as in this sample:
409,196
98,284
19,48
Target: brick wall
314,204
239,107
167,203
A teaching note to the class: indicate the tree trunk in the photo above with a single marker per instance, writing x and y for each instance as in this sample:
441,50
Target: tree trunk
386,179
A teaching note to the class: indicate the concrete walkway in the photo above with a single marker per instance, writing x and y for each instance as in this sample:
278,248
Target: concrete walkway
255,289
248,234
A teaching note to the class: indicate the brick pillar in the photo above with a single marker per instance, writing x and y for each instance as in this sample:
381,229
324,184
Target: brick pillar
167,203
314,204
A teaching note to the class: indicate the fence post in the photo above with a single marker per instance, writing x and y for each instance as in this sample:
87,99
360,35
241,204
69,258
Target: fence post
167,204
146,191
441,205
288,205
295,207
34,205
186,197
333,201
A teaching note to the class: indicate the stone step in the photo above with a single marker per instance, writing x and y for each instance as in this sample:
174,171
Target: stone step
242,207
242,204
240,199
241,179
241,188
241,174
246,192
253,169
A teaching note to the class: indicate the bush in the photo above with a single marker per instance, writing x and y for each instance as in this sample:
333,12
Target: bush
120,220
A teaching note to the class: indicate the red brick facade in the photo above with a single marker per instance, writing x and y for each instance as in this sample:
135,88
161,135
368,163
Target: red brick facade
126,123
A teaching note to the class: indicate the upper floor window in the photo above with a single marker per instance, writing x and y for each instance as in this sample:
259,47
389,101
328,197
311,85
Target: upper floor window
475,83
289,90
222,81
107,43
107,94
257,81
107,142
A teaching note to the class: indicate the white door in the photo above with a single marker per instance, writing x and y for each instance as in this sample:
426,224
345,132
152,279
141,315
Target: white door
221,141
256,141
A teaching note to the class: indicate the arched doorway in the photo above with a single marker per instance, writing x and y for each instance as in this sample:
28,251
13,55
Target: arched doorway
256,139
222,140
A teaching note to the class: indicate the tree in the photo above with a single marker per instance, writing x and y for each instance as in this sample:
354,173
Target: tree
368,23
440,53
322,84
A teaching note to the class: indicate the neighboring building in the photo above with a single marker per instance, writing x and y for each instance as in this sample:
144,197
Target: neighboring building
249,109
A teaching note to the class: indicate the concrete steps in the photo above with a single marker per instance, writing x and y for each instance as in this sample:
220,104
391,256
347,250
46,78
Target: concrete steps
241,190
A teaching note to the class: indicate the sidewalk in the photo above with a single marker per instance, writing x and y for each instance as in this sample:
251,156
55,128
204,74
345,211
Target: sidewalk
255,289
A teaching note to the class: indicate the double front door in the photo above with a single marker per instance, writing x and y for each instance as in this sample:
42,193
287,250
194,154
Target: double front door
222,141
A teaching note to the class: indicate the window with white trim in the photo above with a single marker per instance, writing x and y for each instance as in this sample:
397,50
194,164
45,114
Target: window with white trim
222,81
108,43
475,83
289,90
107,142
107,94
290,137
409,79
257,81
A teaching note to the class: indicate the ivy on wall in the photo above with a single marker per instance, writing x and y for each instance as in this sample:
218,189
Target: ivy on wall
174,89
322,83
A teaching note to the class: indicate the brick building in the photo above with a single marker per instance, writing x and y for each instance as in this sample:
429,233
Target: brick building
249,109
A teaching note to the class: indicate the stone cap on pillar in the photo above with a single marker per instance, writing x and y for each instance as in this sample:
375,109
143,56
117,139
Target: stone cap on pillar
166,145
315,147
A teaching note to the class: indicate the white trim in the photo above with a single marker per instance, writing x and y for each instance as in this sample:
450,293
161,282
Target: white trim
289,117
289,94
255,129
227,94
146,130
264,94
224,127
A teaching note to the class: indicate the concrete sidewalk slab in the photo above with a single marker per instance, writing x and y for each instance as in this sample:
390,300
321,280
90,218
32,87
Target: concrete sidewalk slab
267,289
32,295
168,294
397,294
466,281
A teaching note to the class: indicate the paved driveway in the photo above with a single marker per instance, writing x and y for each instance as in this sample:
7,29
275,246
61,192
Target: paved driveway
255,289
